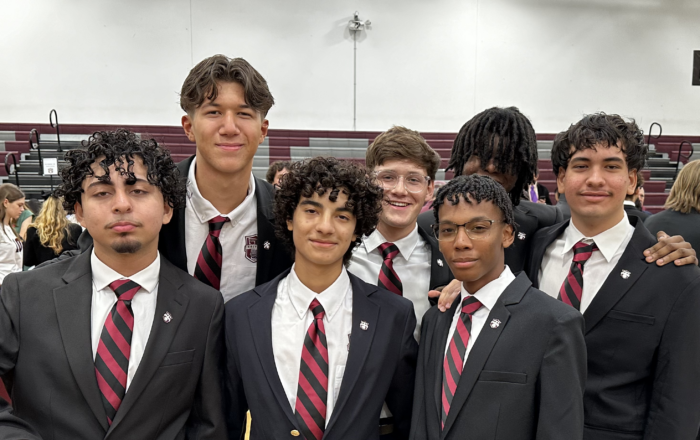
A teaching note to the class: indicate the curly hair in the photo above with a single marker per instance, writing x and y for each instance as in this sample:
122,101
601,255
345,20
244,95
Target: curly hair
475,189
52,225
275,168
600,129
504,135
118,148
320,175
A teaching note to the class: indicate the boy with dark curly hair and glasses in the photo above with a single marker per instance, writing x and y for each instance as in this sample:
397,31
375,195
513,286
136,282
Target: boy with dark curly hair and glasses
116,341
316,351
509,359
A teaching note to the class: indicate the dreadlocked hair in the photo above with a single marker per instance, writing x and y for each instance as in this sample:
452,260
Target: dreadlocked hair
118,148
474,189
504,135
320,175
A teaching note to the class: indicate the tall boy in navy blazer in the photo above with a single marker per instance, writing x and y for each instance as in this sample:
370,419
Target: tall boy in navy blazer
276,361
509,362
642,326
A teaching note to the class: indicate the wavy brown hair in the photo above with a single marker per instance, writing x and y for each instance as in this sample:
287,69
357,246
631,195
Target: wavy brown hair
10,193
52,225
685,193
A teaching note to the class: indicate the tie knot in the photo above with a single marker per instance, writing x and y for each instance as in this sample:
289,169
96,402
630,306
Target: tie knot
216,224
124,289
470,305
583,251
317,309
389,250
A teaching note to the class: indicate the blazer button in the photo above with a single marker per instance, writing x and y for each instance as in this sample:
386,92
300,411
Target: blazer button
295,433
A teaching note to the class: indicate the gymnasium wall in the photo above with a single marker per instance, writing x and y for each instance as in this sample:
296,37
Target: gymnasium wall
426,64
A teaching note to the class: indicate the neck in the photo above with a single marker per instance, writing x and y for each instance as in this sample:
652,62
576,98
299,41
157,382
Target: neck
592,226
126,264
317,278
476,285
6,220
394,234
224,191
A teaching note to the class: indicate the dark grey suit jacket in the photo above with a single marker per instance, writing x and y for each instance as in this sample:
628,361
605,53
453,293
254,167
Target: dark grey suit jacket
643,339
524,378
45,345
381,366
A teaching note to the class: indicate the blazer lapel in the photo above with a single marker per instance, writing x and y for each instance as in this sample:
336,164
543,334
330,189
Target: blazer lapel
363,309
616,286
539,248
484,344
440,274
172,236
260,318
266,232
73,304
162,334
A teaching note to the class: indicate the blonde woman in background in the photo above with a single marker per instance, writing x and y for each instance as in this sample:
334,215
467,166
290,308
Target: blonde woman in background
50,234
11,245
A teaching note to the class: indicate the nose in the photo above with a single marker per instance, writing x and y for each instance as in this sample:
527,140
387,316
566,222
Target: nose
228,125
324,225
121,202
462,240
595,178
400,187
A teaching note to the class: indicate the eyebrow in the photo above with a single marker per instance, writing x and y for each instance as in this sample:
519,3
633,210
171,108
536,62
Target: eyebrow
110,183
319,205
607,159
473,219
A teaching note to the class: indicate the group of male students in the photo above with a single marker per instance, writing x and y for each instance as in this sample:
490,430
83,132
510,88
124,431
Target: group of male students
185,308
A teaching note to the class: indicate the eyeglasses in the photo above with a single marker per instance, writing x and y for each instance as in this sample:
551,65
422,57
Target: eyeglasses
413,182
476,230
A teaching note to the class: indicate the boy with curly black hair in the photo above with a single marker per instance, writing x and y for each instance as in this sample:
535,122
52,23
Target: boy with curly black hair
293,341
105,335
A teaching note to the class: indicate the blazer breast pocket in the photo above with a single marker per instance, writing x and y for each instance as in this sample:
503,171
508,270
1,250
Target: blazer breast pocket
503,376
631,317
177,357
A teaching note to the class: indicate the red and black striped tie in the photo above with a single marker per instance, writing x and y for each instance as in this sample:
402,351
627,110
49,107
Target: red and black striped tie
208,268
114,348
312,392
572,289
454,359
388,278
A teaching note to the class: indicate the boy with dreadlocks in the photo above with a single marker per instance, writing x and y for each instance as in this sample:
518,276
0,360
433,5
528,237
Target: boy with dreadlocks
474,357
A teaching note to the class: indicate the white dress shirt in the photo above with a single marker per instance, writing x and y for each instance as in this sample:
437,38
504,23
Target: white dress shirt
487,296
143,306
412,265
291,319
10,252
556,262
239,237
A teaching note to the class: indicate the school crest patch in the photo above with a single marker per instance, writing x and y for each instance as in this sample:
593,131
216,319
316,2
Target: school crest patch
251,248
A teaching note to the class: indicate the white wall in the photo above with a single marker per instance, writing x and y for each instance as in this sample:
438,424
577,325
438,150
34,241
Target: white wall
426,64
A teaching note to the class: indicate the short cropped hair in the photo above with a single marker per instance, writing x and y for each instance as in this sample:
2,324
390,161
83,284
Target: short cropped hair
275,168
204,79
402,143
119,148
504,135
685,193
475,189
322,174
601,129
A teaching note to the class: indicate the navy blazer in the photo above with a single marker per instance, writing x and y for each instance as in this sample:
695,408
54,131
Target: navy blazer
381,366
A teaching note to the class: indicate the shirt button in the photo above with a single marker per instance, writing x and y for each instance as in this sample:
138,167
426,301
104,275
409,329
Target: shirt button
295,433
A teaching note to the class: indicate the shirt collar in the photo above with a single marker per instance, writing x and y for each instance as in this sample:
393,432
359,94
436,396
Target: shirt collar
203,208
629,203
405,245
331,299
103,275
489,294
607,241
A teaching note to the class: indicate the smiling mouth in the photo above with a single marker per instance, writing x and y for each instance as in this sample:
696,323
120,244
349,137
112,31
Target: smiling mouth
323,243
398,204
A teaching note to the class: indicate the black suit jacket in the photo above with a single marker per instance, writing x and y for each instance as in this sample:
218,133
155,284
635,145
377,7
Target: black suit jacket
440,273
632,210
381,366
524,379
273,258
45,344
676,223
563,207
643,339
529,218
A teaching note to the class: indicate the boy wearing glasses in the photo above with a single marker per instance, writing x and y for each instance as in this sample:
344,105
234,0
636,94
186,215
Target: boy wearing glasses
510,359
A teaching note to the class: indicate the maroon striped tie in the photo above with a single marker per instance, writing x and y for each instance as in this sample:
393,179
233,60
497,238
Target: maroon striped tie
388,278
312,393
454,359
208,268
572,289
114,348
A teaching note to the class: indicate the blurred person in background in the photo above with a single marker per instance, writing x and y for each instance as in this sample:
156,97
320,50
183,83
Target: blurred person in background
681,216
10,242
23,221
276,171
50,234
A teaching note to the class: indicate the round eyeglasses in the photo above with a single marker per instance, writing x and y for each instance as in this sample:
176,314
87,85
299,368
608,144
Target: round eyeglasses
476,230
412,182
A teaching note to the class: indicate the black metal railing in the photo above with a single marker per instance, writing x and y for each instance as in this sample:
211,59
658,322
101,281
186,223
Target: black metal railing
14,162
36,146
681,156
52,115
649,136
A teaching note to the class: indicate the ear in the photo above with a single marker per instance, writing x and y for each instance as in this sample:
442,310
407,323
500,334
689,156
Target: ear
632,188
290,226
560,180
431,191
78,209
167,213
508,236
263,130
187,126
